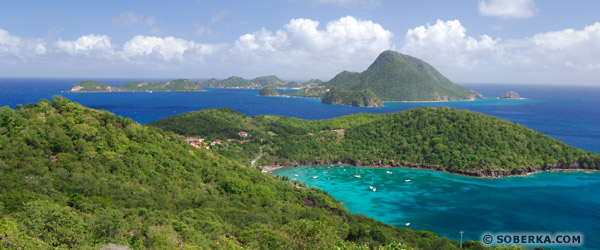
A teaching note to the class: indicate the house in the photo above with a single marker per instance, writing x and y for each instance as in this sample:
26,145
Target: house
207,147
231,139
243,134
192,140
218,141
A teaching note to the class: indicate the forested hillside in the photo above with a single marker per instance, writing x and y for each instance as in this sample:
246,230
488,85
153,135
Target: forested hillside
73,177
436,138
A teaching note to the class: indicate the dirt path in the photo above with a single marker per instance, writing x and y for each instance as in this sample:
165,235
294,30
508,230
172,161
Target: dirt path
260,153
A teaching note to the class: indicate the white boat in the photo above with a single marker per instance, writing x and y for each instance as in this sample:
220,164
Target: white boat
295,175
315,177
388,172
372,187
407,224
356,173
407,180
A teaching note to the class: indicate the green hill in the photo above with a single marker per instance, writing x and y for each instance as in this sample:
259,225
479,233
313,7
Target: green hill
360,98
442,139
268,91
272,81
182,85
93,86
398,77
77,178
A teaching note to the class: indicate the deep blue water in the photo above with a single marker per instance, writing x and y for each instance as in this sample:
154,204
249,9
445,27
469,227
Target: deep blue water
433,201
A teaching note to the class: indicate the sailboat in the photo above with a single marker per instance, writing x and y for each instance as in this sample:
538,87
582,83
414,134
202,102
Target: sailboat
389,172
374,189
356,173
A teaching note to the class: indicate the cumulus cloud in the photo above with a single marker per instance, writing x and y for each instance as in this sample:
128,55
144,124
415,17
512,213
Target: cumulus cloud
15,47
351,3
88,45
447,46
168,49
346,43
507,8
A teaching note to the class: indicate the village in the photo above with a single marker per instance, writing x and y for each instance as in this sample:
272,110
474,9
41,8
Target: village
202,143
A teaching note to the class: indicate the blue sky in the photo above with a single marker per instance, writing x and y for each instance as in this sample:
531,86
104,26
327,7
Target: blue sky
475,41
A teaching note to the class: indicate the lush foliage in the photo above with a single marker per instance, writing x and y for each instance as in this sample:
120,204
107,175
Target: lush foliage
92,86
259,82
360,98
398,77
268,91
440,138
73,177
174,85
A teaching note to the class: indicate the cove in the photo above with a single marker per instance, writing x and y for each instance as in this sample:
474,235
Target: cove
447,204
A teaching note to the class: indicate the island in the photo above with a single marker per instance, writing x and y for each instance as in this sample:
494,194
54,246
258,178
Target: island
258,82
397,77
510,95
179,85
85,178
268,91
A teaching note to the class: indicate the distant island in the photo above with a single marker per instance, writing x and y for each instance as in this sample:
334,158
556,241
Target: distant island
268,91
391,77
259,82
510,95
180,85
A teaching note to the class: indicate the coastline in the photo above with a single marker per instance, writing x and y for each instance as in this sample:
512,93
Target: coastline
480,173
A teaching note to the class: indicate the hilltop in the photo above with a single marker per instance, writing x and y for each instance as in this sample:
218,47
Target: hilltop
268,91
239,82
442,139
180,85
397,77
77,178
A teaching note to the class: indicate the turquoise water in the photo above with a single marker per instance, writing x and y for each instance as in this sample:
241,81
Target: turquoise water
447,204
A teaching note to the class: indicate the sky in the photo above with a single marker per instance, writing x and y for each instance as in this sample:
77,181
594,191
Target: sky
469,41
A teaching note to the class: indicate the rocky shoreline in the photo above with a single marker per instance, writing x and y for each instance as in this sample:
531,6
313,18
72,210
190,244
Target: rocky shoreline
481,173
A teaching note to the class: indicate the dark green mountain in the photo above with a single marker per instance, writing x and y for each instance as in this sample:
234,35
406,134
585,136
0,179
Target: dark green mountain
180,85
398,77
77,178
268,91
443,139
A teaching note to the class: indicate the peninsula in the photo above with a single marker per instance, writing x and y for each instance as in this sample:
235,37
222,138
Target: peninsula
443,139
179,85
258,82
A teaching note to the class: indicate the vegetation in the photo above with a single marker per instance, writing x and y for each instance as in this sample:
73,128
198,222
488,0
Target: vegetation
318,91
73,177
437,138
174,85
268,91
182,85
361,98
259,82
92,86
398,77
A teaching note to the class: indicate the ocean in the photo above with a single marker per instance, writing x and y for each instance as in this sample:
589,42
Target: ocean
439,202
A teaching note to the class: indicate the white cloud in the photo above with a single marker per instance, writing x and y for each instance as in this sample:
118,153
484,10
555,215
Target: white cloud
446,43
346,43
507,8
351,3
168,49
88,44
544,57
15,47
